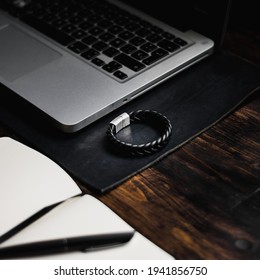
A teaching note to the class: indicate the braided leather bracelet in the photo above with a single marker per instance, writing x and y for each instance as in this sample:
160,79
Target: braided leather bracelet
152,118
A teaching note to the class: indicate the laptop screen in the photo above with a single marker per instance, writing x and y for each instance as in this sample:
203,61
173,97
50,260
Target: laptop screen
206,17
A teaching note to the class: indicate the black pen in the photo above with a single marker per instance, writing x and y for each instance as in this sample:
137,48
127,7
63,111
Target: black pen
81,243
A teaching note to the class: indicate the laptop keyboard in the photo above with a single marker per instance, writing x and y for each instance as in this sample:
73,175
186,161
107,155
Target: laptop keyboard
109,38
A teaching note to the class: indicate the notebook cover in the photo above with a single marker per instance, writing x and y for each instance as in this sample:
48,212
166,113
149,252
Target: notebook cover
193,100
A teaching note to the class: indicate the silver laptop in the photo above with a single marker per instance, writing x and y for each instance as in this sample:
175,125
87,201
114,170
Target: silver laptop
78,60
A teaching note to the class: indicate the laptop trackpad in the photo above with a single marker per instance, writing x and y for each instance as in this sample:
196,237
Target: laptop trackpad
21,54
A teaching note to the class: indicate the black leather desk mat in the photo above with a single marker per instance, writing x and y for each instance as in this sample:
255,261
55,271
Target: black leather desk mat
193,100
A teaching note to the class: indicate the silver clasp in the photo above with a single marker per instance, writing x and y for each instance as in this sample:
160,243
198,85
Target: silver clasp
121,121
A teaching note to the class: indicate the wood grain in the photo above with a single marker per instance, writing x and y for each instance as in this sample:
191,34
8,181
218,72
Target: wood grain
201,202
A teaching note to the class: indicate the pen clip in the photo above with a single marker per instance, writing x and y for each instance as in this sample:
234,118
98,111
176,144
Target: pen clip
117,239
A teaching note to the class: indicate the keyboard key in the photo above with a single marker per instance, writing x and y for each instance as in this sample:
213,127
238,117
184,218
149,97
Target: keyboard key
148,47
94,18
159,52
156,29
64,14
120,75
86,12
180,42
137,41
112,66
115,29
75,19
168,36
48,30
58,23
155,56
97,61
129,62
134,19
100,46
106,37
85,25
105,23
142,32
110,52
128,49
126,35
95,31
117,43
68,28
132,26
91,53
121,21
145,24
168,45
154,38
77,47
89,40
140,55
78,34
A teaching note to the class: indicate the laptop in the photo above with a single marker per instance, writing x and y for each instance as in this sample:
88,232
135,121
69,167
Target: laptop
77,60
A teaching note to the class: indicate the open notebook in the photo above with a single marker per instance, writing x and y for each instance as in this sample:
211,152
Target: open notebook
31,182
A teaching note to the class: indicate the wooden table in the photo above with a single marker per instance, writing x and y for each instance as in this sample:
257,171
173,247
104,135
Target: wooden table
202,201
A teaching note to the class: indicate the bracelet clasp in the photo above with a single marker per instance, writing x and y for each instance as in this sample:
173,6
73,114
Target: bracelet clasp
120,122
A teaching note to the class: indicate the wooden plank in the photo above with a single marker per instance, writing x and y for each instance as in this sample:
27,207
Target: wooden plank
196,203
